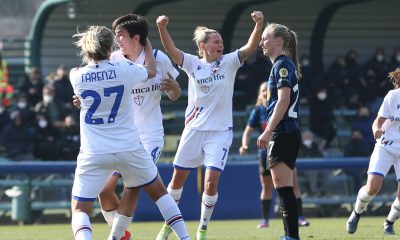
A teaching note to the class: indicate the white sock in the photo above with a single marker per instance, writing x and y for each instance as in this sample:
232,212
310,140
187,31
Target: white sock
81,226
172,215
175,194
394,213
363,199
120,225
207,208
108,216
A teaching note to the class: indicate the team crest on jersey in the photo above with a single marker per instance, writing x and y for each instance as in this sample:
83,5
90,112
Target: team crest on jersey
283,72
205,89
138,100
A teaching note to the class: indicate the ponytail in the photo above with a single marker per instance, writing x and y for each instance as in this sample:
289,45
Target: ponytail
292,48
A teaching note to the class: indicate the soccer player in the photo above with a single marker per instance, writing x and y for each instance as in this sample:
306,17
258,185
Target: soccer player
282,134
258,121
131,32
207,135
109,139
385,155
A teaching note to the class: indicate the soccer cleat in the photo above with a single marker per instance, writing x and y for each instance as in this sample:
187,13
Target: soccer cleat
127,236
201,234
263,224
303,222
388,228
352,223
164,232
288,238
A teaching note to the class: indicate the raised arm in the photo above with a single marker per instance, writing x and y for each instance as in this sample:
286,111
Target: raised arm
255,37
167,42
150,61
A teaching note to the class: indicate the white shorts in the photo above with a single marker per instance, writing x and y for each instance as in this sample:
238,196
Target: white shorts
153,147
382,160
208,148
93,170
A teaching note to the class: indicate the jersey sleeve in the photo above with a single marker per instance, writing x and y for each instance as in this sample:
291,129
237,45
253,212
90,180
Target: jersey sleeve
72,78
137,72
233,59
283,74
252,122
189,62
166,65
384,110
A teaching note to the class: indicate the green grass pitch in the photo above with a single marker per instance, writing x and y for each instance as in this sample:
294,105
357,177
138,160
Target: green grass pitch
320,229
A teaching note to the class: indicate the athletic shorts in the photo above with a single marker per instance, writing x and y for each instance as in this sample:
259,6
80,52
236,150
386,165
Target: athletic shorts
382,160
93,170
208,148
284,147
263,167
153,147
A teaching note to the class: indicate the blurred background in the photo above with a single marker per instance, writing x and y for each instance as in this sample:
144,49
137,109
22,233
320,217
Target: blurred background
347,48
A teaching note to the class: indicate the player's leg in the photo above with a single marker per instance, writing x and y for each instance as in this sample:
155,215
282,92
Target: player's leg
302,220
174,189
394,213
283,150
266,189
168,208
90,176
380,163
108,199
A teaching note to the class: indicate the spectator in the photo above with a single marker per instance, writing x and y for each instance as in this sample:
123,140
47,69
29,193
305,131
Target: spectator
363,123
48,107
395,60
63,91
322,118
17,139
316,179
21,105
32,86
381,69
309,80
339,82
6,89
357,148
369,88
69,139
46,145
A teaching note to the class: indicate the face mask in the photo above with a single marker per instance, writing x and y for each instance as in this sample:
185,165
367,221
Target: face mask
379,57
306,63
22,105
47,98
42,123
322,96
398,58
307,142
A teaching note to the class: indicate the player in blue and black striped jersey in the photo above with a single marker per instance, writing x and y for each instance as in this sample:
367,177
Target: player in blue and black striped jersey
282,134
258,122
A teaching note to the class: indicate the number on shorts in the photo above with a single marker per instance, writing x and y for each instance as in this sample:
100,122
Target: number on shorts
225,151
119,90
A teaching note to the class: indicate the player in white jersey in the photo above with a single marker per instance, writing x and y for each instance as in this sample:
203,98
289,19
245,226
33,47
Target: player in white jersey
385,155
140,170
208,125
131,30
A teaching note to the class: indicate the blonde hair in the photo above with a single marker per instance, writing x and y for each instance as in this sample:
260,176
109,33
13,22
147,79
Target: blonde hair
95,43
260,97
289,42
201,34
394,77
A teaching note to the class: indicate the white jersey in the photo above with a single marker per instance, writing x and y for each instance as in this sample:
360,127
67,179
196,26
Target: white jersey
106,116
146,96
390,109
210,91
